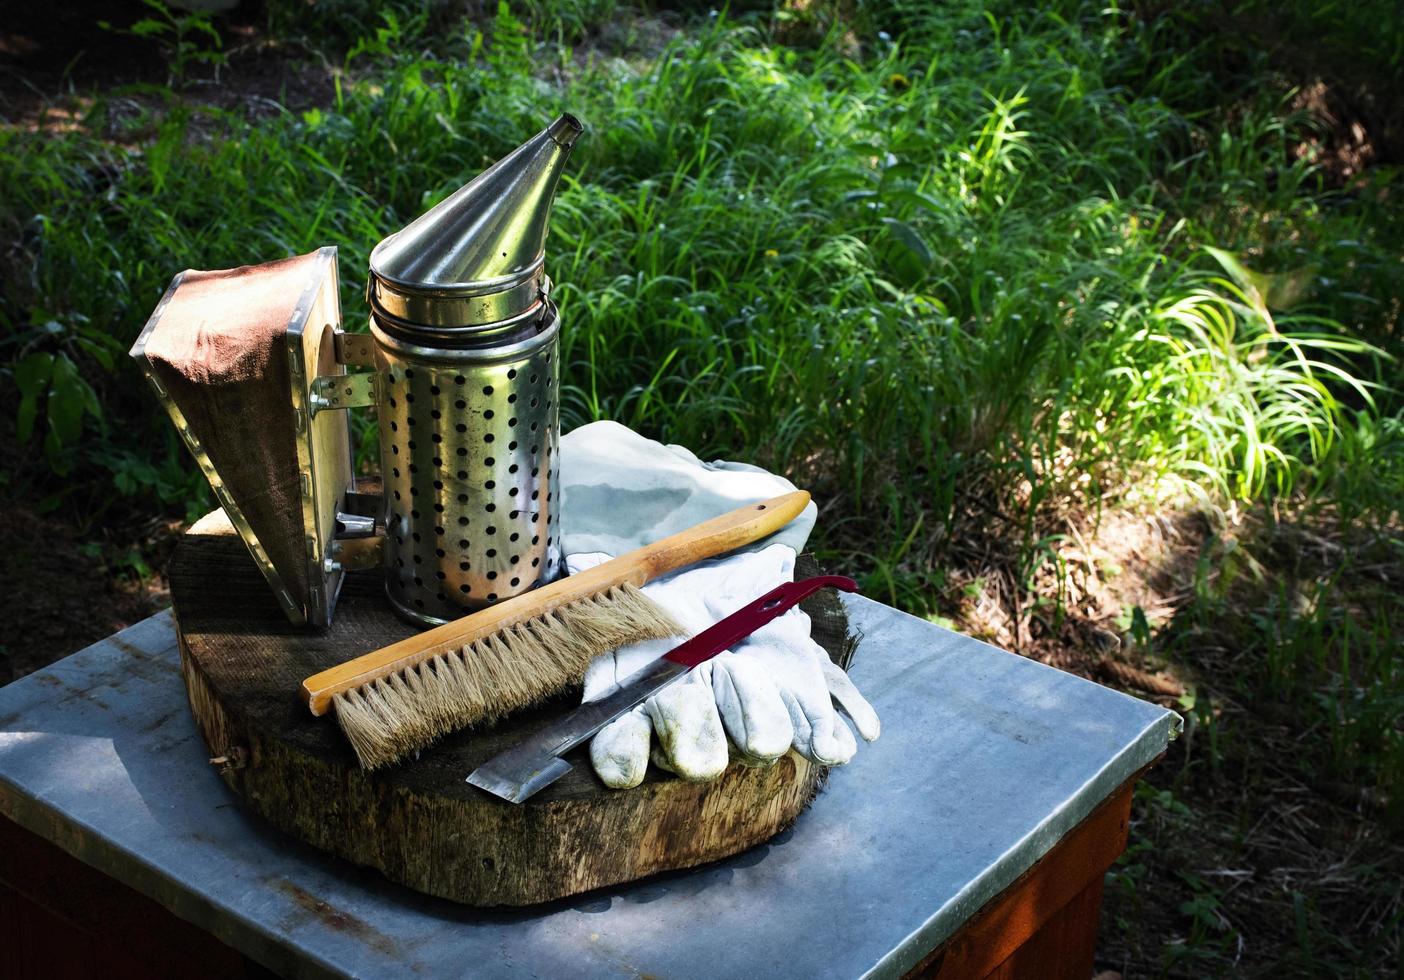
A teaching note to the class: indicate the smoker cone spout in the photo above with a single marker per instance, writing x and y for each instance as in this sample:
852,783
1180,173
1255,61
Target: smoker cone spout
477,257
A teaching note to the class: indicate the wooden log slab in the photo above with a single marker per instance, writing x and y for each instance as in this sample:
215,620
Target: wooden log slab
420,823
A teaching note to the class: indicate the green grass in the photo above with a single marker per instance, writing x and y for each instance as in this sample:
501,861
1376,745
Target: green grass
960,269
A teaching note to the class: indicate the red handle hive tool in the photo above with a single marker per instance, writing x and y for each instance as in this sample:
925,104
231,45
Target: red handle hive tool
526,769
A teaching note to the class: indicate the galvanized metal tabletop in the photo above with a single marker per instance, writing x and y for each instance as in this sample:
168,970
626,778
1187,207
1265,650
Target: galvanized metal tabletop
985,762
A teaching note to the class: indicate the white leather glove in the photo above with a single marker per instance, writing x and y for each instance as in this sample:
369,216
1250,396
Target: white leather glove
777,689
773,691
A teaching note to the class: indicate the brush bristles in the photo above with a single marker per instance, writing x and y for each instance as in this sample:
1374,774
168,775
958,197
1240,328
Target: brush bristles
495,675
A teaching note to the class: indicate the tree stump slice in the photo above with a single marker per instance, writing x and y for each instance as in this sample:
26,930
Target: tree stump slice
420,823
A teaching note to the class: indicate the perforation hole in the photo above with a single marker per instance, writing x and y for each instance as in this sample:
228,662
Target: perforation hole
487,389
511,373
464,588
488,414
492,552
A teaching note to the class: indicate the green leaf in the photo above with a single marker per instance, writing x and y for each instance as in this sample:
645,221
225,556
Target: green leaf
68,395
910,239
31,376
32,373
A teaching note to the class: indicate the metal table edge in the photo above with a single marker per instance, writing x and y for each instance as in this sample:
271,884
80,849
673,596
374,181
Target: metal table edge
1148,745
75,837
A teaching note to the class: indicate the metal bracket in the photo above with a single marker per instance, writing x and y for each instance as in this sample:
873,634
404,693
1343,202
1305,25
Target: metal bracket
355,349
357,554
343,391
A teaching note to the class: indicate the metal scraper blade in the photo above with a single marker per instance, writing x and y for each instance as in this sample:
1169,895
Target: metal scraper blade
527,768
515,789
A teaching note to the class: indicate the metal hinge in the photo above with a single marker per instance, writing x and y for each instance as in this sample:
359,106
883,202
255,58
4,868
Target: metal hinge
343,391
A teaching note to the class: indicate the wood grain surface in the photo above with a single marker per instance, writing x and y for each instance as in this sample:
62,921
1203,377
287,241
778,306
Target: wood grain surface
419,822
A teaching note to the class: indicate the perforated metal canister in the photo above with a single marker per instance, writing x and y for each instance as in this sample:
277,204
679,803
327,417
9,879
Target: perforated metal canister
469,455
467,390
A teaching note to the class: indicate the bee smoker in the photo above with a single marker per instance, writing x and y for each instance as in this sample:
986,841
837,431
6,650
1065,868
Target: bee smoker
463,353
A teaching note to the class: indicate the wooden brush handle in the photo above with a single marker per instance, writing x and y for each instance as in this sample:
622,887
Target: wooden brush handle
732,530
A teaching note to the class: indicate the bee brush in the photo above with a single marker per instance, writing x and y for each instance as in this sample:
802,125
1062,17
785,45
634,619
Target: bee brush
398,699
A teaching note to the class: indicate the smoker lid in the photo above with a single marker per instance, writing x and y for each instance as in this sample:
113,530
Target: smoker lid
477,257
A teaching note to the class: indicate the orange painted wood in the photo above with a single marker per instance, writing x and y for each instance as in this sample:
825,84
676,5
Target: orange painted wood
1064,948
1044,925
61,918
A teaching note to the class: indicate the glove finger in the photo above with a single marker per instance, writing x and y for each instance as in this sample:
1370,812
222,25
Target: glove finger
814,722
619,751
689,729
752,711
845,745
755,762
853,703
